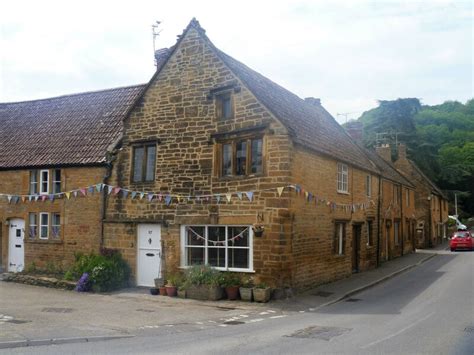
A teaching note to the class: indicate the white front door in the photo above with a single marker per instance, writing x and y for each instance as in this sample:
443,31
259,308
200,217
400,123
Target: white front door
149,254
16,245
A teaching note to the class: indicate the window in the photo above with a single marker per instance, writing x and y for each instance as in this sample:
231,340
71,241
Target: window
396,194
44,225
223,247
33,182
144,161
224,106
56,181
342,177
369,233
56,225
33,225
242,157
396,231
368,185
44,182
339,238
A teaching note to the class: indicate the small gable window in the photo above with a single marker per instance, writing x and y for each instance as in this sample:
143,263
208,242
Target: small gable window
144,161
240,157
224,106
342,178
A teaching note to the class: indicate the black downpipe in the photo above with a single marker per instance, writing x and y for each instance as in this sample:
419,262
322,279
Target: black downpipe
378,223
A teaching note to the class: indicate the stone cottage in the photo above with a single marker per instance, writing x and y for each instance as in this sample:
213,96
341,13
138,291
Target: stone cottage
53,155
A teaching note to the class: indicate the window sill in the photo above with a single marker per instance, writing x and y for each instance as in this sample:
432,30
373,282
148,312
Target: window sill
343,193
44,241
239,177
224,269
339,255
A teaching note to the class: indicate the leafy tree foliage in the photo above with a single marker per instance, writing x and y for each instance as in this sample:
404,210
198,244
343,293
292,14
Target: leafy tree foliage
440,139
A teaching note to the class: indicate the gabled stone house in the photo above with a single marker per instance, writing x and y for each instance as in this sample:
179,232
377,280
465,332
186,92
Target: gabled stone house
431,203
49,149
207,132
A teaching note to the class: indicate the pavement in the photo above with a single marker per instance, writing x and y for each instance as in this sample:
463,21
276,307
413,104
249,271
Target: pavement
31,315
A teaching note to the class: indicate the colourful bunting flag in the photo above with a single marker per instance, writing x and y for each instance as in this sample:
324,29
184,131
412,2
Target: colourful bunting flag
109,189
9,198
150,197
124,193
168,199
249,195
134,193
280,190
228,196
239,195
98,187
117,190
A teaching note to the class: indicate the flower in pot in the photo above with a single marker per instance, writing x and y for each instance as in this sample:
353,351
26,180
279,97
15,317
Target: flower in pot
246,290
262,293
163,291
172,285
258,230
231,282
154,291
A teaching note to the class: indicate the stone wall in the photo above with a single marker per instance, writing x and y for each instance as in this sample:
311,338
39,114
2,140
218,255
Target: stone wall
80,217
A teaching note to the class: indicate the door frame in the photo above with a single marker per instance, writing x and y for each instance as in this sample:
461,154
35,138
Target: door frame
139,247
11,222
356,247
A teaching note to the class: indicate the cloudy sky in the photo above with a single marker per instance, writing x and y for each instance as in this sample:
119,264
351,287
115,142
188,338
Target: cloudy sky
348,53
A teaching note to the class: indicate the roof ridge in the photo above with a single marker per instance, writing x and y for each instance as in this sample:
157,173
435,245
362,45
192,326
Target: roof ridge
73,94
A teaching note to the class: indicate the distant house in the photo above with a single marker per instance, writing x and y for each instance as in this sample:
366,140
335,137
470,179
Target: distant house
51,149
209,163
431,204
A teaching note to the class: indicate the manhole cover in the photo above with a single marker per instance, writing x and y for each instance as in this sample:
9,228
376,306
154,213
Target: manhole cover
234,322
146,310
322,294
18,321
318,332
57,310
353,300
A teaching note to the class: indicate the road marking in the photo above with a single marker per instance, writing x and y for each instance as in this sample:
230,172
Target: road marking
399,332
255,320
263,313
271,311
275,317
222,325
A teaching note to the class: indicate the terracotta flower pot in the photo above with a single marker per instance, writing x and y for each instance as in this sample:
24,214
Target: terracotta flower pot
232,292
171,291
163,291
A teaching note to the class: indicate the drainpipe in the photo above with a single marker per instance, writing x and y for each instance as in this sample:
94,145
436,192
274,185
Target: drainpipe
378,223
429,222
103,208
401,217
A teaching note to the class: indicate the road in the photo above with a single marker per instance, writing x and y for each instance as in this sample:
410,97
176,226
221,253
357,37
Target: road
427,310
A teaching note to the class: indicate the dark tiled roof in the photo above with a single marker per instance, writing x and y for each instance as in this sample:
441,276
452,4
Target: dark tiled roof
310,124
387,170
434,187
67,130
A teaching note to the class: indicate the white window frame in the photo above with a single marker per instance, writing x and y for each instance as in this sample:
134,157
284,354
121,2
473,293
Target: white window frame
34,182
42,181
226,246
35,225
368,185
58,226
55,181
342,178
340,237
43,225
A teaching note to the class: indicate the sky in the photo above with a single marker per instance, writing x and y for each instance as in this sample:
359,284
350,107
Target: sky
347,53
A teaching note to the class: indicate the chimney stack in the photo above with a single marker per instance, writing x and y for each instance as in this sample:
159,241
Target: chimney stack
161,55
313,101
402,151
354,129
385,152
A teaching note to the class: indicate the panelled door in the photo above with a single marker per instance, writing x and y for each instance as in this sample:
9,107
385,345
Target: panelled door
149,254
16,245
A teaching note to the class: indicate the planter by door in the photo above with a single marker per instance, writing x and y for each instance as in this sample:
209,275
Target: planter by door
232,292
148,254
16,245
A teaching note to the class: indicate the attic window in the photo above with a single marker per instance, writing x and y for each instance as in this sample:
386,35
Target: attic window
224,106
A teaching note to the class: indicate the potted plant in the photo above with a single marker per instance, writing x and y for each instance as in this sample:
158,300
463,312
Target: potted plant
163,291
182,289
154,291
262,293
172,281
245,290
231,282
258,230
203,283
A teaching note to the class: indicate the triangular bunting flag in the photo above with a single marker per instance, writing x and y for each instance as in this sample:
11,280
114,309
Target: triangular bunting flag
228,196
124,193
43,198
51,197
9,198
83,192
306,194
74,193
280,190
37,198
98,187
297,189
117,190
30,198
142,194
239,195
249,195
110,189
168,199
16,199
68,195
23,199
218,198
150,197
134,193
160,197
90,189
